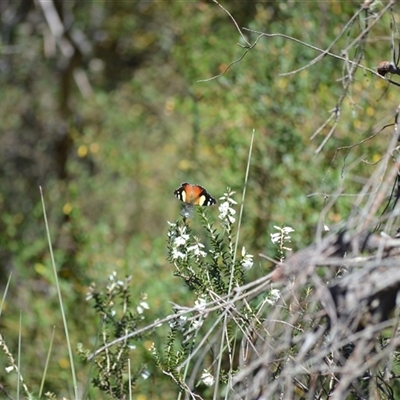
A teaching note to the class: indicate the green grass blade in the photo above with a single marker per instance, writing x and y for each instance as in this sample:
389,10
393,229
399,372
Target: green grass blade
246,178
47,363
19,356
5,294
71,359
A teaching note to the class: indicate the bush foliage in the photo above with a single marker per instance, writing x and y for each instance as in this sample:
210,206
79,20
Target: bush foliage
109,106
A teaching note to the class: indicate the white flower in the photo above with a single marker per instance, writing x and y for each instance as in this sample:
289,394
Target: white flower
207,378
181,240
226,212
275,237
196,249
145,374
182,320
247,260
178,323
200,303
113,282
287,229
145,305
9,369
197,323
89,296
283,235
223,208
172,231
279,238
177,254
228,196
172,323
142,306
273,296
112,276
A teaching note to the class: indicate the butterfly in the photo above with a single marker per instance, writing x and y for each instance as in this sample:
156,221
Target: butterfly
194,195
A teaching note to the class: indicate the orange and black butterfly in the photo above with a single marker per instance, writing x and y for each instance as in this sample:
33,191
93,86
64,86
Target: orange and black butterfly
194,195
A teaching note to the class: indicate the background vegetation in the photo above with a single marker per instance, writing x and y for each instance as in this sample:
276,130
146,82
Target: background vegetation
109,106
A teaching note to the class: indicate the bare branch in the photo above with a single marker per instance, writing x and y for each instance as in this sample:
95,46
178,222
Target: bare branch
234,21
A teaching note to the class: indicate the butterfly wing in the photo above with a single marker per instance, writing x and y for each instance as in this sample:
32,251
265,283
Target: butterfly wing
194,194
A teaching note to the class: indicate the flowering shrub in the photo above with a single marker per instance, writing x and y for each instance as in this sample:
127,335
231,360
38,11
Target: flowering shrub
119,317
207,260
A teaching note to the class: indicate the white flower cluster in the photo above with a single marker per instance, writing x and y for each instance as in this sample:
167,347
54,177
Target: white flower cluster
273,296
282,236
247,260
178,323
207,378
179,237
200,303
196,249
114,282
145,374
143,305
226,212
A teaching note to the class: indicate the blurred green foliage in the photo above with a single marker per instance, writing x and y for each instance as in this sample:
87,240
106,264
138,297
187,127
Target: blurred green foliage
109,151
